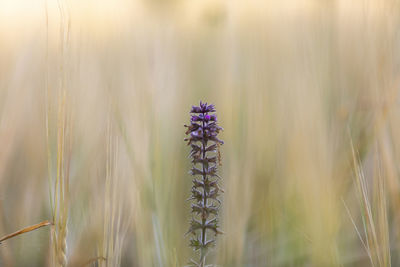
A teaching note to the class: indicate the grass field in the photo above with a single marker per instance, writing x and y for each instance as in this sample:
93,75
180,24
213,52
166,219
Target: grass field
94,96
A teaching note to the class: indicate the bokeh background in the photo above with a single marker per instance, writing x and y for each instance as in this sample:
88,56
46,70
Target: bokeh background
307,92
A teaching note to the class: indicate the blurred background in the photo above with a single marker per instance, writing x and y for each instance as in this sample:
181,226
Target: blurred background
307,92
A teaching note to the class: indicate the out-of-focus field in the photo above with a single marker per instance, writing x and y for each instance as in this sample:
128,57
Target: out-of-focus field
307,92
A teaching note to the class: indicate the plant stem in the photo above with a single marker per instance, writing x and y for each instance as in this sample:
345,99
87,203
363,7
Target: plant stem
203,235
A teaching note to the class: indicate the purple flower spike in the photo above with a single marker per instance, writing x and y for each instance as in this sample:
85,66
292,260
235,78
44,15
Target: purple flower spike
202,137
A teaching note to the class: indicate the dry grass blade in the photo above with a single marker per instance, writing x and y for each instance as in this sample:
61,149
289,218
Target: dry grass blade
92,260
26,230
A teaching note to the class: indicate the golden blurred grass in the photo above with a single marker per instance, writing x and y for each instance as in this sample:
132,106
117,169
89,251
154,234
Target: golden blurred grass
298,86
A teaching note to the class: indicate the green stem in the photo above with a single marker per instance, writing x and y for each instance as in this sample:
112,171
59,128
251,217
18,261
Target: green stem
203,234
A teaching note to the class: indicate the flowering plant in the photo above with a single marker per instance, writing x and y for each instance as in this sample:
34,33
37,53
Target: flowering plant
202,135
